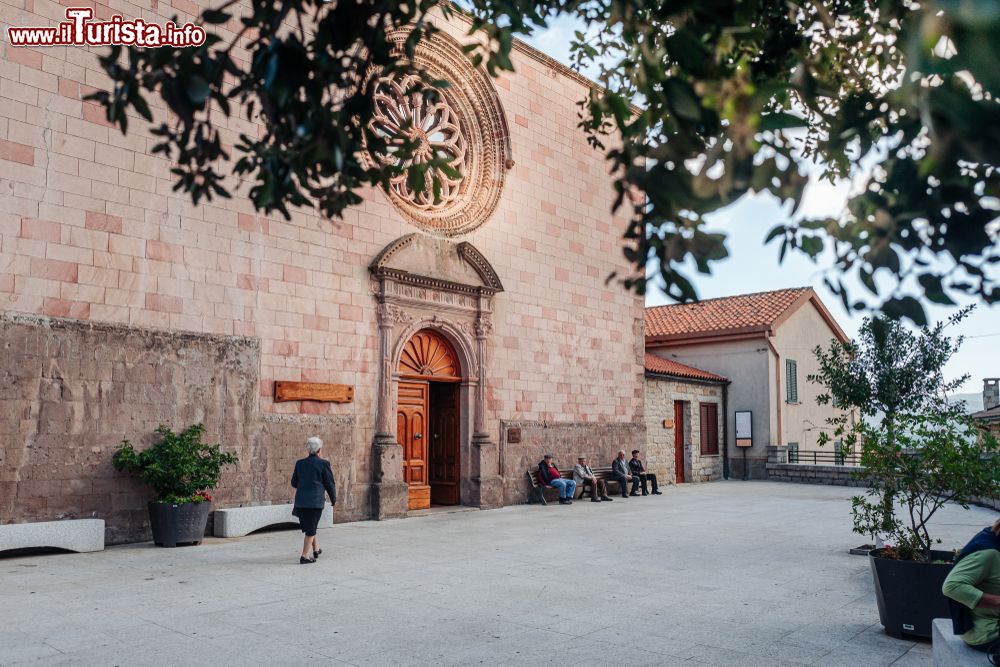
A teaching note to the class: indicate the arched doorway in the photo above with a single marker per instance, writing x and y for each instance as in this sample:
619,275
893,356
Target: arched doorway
428,418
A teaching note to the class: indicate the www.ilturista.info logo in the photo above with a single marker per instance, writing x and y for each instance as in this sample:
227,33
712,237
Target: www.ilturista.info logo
79,30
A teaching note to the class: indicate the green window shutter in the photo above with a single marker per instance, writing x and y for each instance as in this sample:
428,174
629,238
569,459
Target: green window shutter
791,381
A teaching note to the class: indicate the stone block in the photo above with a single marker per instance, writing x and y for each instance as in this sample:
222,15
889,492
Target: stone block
949,649
240,521
81,535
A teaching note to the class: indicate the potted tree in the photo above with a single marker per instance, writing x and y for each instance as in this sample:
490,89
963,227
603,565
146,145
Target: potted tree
181,469
917,453
885,375
928,460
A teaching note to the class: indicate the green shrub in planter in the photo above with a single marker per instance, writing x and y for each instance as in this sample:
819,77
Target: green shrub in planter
930,460
180,468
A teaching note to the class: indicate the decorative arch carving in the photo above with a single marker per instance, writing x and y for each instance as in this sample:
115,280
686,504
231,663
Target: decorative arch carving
450,333
383,266
471,254
428,354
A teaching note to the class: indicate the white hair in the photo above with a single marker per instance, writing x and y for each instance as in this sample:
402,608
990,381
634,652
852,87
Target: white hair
314,444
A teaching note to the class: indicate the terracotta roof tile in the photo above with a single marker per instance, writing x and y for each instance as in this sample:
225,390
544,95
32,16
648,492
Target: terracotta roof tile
731,313
661,366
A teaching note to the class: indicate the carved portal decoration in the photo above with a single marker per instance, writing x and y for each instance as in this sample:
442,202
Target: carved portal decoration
462,125
428,354
433,296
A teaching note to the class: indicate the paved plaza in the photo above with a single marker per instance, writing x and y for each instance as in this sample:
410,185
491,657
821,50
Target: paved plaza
728,573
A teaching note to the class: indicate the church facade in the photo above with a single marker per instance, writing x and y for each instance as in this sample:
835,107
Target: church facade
463,338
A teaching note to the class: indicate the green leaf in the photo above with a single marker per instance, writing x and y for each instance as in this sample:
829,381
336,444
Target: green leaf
933,289
780,121
906,306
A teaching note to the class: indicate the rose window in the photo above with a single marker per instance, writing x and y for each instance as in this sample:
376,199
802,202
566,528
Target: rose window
460,137
403,116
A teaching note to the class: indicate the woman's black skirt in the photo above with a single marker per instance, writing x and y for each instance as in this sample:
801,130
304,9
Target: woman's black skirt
308,519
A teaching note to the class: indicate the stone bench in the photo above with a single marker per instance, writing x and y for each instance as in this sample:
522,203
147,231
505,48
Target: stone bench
80,535
240,521
949,649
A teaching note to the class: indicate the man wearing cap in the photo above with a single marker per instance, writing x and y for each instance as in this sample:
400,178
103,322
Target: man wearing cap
583,474
549,474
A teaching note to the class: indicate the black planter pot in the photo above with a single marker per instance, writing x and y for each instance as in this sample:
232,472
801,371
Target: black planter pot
909,594
178,524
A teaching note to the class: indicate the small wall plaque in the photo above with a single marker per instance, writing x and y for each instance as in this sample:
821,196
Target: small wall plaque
514,435
668,423
313,391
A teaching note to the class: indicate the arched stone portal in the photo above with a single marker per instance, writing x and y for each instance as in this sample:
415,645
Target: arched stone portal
443,291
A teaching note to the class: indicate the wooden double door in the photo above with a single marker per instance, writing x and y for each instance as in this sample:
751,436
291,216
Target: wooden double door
428,421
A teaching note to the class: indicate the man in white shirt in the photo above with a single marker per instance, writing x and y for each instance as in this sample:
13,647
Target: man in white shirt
584,474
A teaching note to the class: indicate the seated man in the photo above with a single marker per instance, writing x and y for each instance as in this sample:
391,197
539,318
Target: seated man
551,476
583,475
636,468
622,473
974,585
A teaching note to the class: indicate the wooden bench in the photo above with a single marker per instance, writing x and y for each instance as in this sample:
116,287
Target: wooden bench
535,493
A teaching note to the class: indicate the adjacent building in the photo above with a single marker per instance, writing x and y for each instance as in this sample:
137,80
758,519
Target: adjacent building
764,343
990,414
685,421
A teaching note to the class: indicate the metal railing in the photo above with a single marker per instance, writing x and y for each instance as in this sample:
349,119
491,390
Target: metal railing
824,458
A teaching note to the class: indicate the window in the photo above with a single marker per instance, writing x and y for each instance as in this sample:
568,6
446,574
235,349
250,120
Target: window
709,428
793,452
791,381
839,454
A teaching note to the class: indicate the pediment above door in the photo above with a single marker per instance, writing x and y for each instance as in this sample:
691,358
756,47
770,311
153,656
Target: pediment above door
435,263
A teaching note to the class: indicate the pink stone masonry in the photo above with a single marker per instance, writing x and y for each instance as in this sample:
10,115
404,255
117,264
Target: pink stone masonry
90,229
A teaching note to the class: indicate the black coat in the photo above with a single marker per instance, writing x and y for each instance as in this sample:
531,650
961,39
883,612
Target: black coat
312,476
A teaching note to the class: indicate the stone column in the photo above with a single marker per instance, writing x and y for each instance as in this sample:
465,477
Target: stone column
485,452
389,491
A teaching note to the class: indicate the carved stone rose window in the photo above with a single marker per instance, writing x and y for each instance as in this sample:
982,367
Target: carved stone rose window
401,117
463,126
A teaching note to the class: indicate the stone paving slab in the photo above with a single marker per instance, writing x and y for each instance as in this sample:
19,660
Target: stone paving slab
734,573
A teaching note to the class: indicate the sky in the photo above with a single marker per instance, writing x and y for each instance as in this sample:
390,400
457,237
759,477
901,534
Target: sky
754,267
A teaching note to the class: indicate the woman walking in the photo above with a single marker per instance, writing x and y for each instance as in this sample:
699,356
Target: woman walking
312,476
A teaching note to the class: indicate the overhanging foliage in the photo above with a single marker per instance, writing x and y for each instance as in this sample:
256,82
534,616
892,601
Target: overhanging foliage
735,95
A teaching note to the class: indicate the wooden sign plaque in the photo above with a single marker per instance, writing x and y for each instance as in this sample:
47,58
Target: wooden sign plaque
313,391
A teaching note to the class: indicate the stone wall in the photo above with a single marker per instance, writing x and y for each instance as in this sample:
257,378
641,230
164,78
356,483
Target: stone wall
813,474
565,441
76,389
280,441
660,396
